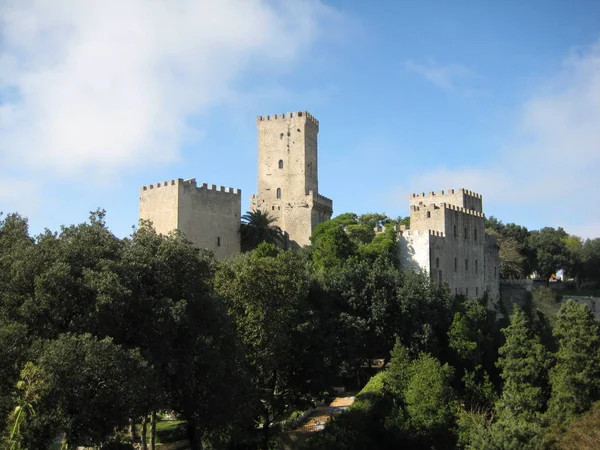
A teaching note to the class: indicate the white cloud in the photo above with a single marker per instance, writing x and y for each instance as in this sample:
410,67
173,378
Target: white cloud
97,86
551,165
444,76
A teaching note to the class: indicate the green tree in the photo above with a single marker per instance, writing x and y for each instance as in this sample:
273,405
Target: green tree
471,341
575,378
264,295
524,369
90,390
550,251
258,226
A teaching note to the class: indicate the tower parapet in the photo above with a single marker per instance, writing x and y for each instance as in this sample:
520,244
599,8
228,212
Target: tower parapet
460,197
283,116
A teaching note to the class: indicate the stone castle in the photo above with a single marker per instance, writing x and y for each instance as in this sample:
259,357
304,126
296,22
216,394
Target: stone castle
446,237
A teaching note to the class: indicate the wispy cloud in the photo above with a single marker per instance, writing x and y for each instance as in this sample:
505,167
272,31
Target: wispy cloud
444,76
550,162
95,87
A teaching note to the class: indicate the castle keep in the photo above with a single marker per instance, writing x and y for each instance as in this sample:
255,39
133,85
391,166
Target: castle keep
288,182
447,239
288,189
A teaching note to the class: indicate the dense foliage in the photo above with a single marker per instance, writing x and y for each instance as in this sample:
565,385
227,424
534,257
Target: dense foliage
98,335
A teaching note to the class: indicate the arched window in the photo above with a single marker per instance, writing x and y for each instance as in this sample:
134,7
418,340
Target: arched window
437,263
281,163
278,192
428,214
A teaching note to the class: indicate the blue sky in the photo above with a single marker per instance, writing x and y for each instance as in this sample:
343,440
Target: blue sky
501,97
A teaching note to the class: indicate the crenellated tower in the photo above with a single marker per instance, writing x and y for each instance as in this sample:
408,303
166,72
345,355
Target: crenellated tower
288,182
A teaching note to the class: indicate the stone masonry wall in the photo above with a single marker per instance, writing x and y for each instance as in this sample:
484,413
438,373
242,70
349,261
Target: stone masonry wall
208,215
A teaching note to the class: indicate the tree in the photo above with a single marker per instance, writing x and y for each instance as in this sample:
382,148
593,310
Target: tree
574,259
264,295
575,378
524,369
550,252
258,226
471,341
331,245
90,390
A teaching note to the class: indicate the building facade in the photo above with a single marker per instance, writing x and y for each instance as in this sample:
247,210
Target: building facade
288,175
208,215
447,239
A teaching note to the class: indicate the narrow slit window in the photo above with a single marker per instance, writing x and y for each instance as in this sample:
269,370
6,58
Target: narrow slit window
466,265
437,263
428,214
218,241
281,163
278,192
455,233
455,264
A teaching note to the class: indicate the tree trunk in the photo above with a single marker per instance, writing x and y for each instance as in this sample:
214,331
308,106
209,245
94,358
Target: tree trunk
153,430
144,431
192,433
132,431
266,432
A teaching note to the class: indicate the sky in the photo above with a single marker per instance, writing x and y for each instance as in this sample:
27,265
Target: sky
101,97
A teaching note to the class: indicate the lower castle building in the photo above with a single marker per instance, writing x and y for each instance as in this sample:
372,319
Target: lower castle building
447,239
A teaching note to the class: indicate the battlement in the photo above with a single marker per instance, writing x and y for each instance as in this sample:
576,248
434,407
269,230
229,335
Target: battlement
318,198
462,210
283,116
431,194
192,182
445,206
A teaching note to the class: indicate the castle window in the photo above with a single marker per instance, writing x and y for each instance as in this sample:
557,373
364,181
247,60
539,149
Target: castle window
273,208
476,290
437,263
281,163
455,264
466,265
475,235
278,192
429,214
467,292
440,276
455,233
476,267
218,241
466,233
494,272
281,136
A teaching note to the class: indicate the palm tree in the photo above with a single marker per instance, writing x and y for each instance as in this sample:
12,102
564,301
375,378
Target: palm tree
257,227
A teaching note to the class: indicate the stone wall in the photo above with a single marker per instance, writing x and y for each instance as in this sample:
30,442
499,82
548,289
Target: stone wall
208,215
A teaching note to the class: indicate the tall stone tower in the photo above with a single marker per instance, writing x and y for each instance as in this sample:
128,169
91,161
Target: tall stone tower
288,182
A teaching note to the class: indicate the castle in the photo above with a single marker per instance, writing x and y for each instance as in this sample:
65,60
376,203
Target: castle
446,237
